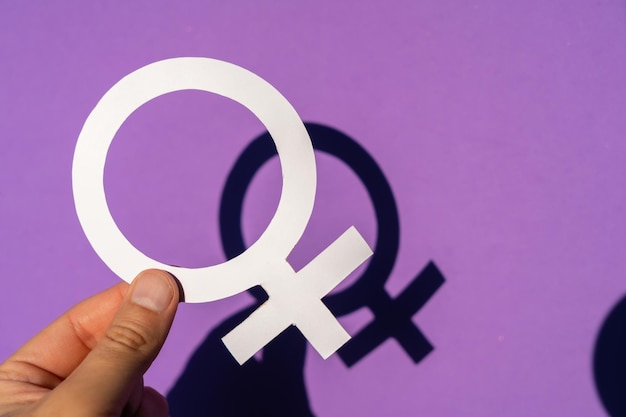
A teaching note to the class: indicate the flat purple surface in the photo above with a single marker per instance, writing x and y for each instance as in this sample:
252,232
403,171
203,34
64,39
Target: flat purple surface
499,125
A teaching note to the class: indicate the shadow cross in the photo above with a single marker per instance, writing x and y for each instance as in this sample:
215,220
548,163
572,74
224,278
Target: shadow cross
214,384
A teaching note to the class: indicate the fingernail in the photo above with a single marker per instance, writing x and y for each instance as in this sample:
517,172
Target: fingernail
152,291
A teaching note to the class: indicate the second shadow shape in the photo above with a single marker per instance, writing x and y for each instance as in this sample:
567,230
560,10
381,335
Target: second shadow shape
275,384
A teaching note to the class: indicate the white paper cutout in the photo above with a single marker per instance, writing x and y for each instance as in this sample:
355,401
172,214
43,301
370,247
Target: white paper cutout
294,297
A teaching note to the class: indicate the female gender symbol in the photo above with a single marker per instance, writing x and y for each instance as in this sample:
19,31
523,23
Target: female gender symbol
294,297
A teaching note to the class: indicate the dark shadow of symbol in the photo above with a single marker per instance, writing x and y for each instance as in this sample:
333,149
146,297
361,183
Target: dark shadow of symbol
609,361
214,384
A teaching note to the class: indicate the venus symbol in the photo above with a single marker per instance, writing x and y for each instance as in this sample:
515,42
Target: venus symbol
294,296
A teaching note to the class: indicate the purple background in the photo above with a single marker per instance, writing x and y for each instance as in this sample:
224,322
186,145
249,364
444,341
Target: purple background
499,125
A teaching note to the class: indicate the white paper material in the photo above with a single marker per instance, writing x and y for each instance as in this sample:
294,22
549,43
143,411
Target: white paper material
294,297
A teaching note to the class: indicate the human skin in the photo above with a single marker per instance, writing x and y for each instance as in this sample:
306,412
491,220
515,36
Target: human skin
90,362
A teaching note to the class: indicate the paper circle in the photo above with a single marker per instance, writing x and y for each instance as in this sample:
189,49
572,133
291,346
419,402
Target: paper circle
282,122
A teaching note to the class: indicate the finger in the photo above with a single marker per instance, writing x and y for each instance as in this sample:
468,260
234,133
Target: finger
49,357
153,404
103,382
134,399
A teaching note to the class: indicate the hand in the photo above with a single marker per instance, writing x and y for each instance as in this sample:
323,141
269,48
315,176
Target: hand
90,362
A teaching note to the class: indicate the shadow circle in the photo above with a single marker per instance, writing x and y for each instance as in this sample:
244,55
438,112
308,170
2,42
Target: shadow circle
609,361
367,288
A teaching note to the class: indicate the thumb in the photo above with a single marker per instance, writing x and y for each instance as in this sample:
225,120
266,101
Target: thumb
102,384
